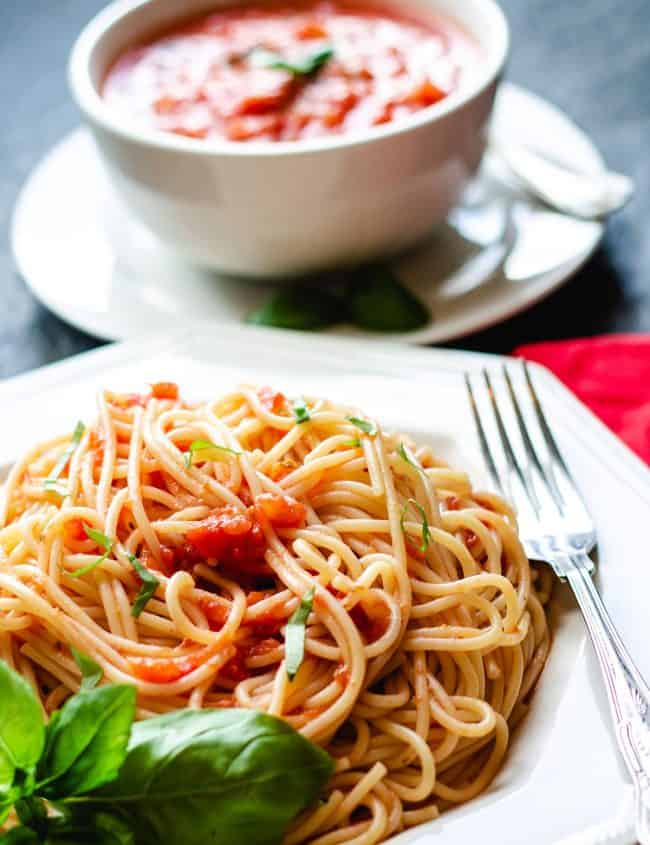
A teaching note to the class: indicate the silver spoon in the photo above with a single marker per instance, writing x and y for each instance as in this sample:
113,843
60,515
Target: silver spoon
589,196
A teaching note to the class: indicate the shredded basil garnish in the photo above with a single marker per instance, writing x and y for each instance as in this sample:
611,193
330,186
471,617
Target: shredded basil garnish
149,586
300,411
364,425
57,487
426,534
60,465
261,57
294,638
102,540
354,443
405,457
91,672
203,445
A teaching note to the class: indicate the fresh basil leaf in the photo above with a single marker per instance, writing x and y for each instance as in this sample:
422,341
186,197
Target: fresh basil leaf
426,533
261,57
86,743
22,735
378,302
148,589
300,411
91,672
294,638
65,456
20,835
204,445
299,308
214,777
366,426
102,540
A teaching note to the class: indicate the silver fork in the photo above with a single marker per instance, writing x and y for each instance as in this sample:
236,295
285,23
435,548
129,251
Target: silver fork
526,466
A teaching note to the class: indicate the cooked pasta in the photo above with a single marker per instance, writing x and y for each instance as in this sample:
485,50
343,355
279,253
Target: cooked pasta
288,556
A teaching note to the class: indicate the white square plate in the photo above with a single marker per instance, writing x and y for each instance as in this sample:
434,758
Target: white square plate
562,781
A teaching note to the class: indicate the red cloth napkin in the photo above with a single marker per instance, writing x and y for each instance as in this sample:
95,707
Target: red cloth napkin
610,374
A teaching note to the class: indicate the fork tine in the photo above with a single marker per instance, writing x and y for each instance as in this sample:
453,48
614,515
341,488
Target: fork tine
543,424
547,476
511,458
485,449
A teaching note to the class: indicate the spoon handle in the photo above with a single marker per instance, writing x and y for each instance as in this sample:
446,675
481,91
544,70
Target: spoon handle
591,196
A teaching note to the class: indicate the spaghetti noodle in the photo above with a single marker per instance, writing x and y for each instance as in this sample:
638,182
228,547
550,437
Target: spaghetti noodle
423,625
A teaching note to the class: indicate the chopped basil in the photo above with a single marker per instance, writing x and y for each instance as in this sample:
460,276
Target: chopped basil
405,457
300,411
378,302
102,540
91,672
57,487
426,534
294,638
299,308
354,443
261,57
366,426
204,445
60,465
148,589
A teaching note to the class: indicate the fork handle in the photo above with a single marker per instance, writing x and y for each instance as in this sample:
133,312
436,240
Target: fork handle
628,695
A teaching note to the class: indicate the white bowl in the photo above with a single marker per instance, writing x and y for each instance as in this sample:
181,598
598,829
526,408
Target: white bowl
271,209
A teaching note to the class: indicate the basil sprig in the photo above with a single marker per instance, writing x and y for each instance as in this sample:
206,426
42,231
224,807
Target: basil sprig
208,777
294,637
371,298
205,446
261,57
52,481
91,672
148,589
301,411
426,532
102,540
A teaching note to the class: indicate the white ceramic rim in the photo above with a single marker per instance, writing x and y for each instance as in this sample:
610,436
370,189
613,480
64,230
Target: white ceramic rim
99,112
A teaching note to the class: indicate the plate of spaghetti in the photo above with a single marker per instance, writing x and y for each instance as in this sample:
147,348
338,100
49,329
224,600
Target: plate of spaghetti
279,554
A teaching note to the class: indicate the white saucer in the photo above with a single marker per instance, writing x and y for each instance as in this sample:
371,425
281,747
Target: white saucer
90,262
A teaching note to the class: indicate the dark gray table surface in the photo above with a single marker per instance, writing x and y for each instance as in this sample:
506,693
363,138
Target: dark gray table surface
590,57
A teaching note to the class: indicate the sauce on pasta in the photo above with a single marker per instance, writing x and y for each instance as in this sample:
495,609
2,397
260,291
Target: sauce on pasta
425,629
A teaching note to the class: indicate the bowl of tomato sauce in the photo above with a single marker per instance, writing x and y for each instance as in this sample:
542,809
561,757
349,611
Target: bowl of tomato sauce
272,138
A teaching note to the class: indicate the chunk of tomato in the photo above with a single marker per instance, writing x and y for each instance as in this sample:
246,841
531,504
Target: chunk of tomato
282,511
164,390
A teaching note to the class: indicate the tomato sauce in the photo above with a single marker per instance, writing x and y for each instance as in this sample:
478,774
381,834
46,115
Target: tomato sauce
236,539
289,71
166,670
